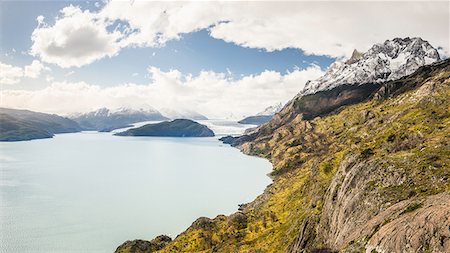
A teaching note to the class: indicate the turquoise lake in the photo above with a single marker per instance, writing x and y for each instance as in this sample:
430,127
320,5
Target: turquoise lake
90,192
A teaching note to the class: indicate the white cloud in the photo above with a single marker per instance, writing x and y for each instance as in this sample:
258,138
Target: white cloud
213,94
12,74
321,28
77,38
49,78
335,29
34,69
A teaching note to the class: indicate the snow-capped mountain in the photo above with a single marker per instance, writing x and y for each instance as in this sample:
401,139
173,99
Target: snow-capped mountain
182,114
385,61
105,119
262,117
271,110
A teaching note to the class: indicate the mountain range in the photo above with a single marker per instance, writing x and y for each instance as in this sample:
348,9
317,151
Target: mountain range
20,125
106,120
360,164
262,117
386,61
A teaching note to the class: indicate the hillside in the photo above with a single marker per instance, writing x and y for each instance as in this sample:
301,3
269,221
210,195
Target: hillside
21,125
365,175
175,128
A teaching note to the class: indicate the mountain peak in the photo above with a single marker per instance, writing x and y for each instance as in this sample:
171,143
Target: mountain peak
356,56
382,62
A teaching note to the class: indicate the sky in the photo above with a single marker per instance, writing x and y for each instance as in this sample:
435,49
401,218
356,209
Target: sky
221,59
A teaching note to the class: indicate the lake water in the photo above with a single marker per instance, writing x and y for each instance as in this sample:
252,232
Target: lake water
89,192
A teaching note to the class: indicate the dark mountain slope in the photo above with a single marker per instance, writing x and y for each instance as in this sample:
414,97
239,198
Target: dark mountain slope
175,128
19,125
327,101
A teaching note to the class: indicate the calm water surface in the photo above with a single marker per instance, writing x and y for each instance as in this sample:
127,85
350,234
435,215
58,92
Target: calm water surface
89,192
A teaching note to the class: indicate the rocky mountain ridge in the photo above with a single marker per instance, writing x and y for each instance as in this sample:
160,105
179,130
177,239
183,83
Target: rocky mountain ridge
386,61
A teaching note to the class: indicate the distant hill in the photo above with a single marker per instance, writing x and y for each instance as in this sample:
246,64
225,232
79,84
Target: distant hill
106,120
256,120
262,117
182,114
175,128
21,125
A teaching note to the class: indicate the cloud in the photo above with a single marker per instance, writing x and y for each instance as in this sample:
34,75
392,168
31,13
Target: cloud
213,94
77,38
69,73
34,69
11,74
322,28
334,28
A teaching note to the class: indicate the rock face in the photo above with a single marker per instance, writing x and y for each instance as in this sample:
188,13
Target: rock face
106,120
386,61
175,128
141,246
21,125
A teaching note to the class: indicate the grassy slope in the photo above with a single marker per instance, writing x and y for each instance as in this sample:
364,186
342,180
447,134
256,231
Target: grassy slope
406,135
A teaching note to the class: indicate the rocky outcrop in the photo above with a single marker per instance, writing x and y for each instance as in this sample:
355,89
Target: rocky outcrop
142,246
414,225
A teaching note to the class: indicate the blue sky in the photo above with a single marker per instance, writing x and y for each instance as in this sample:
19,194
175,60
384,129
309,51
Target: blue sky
194,52
216,58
